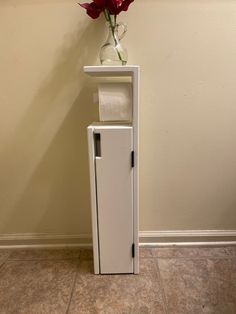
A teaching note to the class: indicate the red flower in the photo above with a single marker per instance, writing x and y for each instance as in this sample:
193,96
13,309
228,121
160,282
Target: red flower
94,8
114,7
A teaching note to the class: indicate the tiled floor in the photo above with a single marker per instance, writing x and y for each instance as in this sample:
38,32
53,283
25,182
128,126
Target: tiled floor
171,280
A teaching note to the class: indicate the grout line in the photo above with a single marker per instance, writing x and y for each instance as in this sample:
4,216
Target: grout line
72,291
161,286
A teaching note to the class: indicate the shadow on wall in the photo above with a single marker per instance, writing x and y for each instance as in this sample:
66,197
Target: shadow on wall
48,187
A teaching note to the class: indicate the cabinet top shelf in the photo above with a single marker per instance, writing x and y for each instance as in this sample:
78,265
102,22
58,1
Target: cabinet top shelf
115,70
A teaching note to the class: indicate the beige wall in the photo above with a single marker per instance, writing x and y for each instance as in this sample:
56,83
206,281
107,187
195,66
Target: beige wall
187,53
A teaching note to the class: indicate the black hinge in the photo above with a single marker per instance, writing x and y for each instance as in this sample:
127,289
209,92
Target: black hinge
133,250
132,159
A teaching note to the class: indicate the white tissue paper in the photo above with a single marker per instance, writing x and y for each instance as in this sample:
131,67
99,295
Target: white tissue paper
115,101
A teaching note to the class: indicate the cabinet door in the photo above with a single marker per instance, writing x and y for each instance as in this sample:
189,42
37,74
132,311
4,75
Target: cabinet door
114,177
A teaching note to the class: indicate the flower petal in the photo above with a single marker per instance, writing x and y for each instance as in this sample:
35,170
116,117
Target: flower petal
100,4
84,5
112,7
125,5
116,6
92,9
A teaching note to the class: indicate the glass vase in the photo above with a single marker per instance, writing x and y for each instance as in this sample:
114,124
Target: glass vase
113,52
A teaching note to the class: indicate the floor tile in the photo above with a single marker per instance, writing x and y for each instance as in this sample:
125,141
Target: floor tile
45,254
231,250
117,294
36,287
4,254
199,285
2,262
86,254
145,252
193,252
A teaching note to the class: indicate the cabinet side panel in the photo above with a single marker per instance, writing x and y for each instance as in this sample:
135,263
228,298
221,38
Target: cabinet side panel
93,199
136,83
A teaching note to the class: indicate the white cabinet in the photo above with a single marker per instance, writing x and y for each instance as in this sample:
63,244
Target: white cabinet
112,172
114,184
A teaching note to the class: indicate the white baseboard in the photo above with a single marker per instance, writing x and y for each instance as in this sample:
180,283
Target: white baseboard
187,237
146,238
44,240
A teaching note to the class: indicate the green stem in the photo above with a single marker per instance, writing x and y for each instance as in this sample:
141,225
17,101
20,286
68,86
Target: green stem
106,14
108,18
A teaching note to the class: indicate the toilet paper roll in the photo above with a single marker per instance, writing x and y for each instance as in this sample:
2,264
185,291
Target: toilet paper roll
115,101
